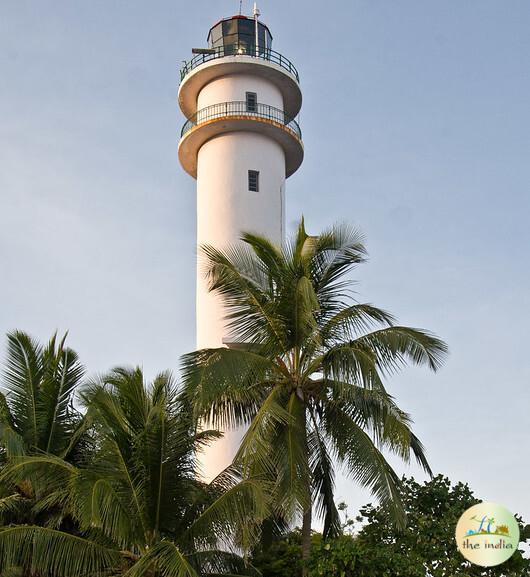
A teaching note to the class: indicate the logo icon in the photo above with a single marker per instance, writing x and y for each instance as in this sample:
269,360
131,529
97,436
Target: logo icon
487,534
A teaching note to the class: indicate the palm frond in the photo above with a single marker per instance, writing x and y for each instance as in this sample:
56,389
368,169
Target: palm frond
394,346
11,440
290,445
13,572
22,375
257,451
223,384
323,480
376,412
45,472
268,254
237,513
347,362
39,384
56,417
363,462
164,559
352,321
244,286
54,553
13,507
337,251
218,563
370,406
96,503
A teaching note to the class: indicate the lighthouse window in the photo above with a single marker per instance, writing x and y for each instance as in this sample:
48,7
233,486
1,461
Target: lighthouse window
253,180
252,102
216,35
247,31
229,27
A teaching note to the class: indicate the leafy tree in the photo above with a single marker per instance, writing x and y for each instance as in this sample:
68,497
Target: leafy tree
307,375
138,508
282,557
426,548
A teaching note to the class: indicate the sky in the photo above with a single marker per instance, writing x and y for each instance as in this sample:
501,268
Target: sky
416,126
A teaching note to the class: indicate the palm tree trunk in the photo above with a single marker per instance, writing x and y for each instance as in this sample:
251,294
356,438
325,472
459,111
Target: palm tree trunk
306,519
306,540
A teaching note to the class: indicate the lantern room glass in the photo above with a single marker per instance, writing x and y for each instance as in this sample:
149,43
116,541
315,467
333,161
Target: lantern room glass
238,36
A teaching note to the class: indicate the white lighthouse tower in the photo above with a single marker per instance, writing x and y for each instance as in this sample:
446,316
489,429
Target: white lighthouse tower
240,142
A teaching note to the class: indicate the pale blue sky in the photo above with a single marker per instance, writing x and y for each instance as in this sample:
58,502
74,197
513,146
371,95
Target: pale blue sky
416,123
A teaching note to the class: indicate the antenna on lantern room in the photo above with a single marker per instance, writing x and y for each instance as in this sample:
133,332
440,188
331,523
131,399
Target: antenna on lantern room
256,13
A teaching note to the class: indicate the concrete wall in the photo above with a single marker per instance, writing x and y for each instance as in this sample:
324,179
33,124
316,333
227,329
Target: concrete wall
234,87
226,208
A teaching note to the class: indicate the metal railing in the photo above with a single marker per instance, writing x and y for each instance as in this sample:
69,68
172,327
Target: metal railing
241,108
239,50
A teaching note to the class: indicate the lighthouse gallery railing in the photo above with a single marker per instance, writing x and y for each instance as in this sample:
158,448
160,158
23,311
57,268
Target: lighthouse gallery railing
239,50
241,108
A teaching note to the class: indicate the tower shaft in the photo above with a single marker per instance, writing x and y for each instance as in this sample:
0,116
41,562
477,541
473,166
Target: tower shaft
240,142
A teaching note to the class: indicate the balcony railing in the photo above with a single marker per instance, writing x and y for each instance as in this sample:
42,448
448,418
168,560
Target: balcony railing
239,50
241,108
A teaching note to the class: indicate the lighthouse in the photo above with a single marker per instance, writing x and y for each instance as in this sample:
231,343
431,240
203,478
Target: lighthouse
241,141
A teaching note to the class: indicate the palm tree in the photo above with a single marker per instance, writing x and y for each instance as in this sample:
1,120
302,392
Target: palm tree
306,373
137,506
36,408
37,412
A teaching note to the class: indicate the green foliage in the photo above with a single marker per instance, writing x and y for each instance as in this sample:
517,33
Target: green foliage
126,503
37,412
339,557
307,375
37,415
426,547
282,558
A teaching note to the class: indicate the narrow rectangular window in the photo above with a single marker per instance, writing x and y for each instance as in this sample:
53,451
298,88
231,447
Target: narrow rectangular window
252,102
253,180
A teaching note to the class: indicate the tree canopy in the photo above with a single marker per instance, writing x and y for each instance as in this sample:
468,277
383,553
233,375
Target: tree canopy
306,372
130,503
371,547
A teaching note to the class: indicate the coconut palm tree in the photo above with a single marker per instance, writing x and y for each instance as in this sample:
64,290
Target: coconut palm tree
36,403
37,412
136,505
306,372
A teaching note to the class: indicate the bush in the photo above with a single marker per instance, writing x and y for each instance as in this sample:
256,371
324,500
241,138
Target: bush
426,548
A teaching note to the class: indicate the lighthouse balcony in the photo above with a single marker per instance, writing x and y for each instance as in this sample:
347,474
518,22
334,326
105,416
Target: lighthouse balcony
241,108
237,116
234,59
241,49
